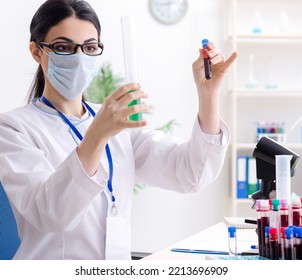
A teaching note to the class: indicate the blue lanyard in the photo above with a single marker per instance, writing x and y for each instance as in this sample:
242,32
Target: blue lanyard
78,134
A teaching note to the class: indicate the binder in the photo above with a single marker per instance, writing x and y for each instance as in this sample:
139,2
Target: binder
252,182
242,177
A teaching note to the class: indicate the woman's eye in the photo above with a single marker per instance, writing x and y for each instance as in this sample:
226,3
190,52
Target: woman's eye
63,48
90,48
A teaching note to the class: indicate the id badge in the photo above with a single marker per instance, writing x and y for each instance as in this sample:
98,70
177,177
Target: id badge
117,239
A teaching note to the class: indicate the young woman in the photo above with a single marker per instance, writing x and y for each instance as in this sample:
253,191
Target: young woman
68,167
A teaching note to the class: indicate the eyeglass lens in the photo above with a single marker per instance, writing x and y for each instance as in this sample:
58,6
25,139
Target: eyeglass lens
70,48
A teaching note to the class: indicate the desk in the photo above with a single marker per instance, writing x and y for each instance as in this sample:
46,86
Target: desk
217,233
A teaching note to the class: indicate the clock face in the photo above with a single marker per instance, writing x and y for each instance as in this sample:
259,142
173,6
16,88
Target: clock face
168,11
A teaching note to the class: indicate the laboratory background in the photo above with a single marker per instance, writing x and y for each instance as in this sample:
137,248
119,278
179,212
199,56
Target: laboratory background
261,95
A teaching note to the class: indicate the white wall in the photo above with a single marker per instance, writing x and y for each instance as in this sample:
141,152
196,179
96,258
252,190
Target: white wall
165,55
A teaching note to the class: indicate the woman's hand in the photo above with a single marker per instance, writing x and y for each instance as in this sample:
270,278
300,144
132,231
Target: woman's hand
112,118
208,90
219,67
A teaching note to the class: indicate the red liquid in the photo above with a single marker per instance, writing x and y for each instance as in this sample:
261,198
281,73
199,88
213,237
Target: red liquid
273,249
259,237
288,253
264,223
280,251
267,249
284,220
299,252
296,218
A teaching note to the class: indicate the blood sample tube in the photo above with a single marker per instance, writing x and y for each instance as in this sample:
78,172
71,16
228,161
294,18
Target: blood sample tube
273,243
282,236
259,214
284,216
207,64
298,245
301,211
274,221
295,211
289,245
266,241
264,223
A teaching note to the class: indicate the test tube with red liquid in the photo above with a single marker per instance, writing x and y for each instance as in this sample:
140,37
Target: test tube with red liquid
262,222
284,215
289,245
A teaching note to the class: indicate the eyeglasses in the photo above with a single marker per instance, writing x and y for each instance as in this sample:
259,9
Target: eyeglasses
68,48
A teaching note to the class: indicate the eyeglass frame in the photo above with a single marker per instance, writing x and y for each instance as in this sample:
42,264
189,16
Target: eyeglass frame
76,46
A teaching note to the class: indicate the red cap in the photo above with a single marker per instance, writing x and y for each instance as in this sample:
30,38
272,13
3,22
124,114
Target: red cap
273,233
273,230
270,203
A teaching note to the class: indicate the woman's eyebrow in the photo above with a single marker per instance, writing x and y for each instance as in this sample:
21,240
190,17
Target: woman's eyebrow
69,40
62,38
91,40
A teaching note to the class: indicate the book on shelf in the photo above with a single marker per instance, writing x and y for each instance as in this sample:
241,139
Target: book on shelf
241,177
247,182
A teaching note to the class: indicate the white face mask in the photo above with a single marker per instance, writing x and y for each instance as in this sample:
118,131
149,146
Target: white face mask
71,75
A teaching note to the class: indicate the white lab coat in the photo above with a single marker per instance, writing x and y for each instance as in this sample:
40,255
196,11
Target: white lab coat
60,210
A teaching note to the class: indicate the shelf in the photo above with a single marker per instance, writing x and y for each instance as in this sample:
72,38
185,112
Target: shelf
267,38
244,201
250,146
242,93
276,53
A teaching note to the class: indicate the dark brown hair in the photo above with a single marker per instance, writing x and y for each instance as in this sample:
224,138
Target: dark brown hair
50,13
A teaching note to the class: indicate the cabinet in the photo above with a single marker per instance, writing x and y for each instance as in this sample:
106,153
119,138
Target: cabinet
266,81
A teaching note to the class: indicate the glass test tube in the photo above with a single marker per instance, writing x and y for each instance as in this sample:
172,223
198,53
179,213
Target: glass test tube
295,210
282,235
259,215
295,239
266,242
232,242
207,63
295,213
273,243
275,222
264,223
284,215
289,245
130,61
301,211
298,245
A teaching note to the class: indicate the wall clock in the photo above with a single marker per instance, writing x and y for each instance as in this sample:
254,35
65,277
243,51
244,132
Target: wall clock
168,11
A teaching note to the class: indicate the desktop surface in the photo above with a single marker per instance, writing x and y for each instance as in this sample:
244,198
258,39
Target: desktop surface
214,238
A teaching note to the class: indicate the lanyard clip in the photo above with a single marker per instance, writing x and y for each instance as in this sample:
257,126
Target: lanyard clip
114,209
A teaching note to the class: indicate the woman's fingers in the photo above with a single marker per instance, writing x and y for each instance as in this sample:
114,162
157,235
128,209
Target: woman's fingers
139,108
219,58
115,111
127,98
121,91
230,60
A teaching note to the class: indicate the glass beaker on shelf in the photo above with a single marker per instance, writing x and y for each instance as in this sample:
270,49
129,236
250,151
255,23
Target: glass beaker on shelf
270,82
251,82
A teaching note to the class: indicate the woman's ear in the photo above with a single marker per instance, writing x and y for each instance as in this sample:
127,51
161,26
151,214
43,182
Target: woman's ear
35,51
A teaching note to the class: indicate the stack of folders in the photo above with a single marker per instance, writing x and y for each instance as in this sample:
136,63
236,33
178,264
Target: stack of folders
247,182
241,222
